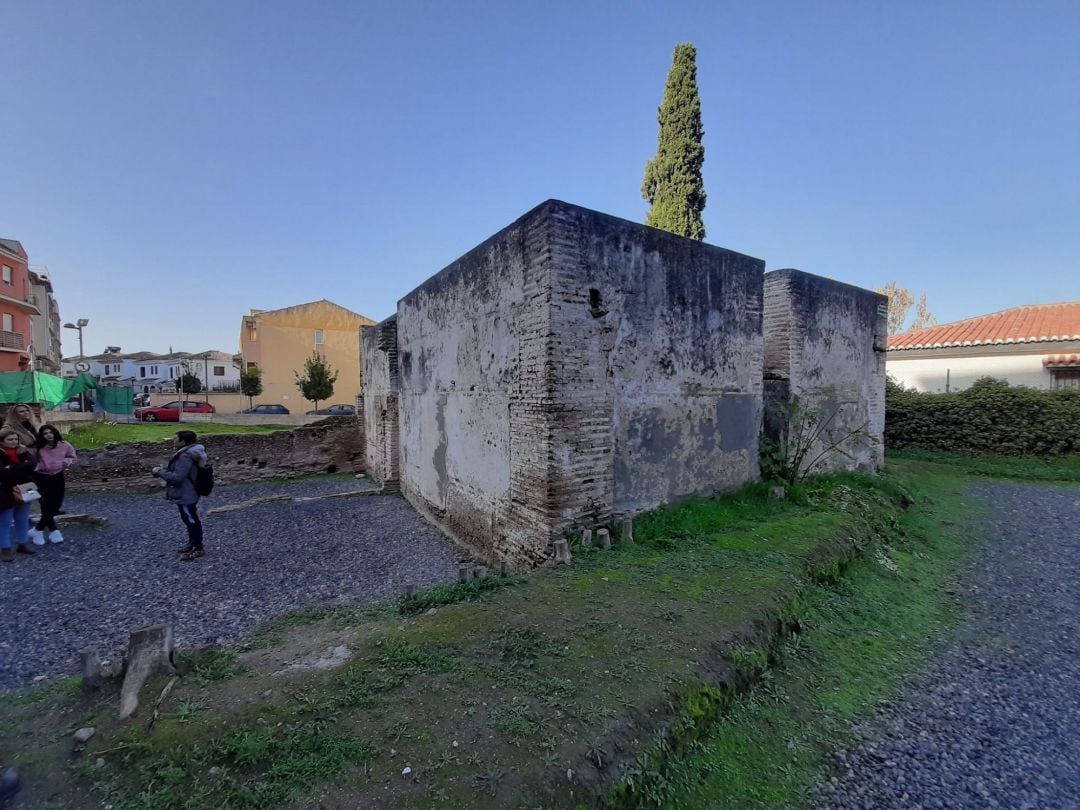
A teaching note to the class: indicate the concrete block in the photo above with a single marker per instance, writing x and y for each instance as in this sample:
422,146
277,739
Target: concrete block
603,538
90,667
150,650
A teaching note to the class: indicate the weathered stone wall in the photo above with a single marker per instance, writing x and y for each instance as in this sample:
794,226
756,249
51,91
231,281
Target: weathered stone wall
825,349
379,353
573,367
472,343
657,355
333,445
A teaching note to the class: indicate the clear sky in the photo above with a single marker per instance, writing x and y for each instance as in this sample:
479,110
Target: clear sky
177,163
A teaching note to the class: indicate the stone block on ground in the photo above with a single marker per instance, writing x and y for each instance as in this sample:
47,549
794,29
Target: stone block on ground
150,651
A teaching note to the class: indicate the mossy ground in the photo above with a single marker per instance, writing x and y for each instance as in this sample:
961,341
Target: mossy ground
599,679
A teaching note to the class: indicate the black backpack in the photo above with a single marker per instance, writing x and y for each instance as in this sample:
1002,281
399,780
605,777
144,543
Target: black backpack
204,479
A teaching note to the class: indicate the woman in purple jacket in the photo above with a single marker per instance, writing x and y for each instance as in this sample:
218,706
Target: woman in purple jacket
54,455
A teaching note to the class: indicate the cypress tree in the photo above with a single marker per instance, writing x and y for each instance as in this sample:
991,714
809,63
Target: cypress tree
673,185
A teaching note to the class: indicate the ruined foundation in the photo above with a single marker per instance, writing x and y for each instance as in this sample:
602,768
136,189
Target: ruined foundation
573,369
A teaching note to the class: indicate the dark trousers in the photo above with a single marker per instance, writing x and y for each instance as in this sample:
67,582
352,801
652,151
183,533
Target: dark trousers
51,488
189,513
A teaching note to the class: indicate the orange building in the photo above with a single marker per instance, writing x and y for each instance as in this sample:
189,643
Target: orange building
16,307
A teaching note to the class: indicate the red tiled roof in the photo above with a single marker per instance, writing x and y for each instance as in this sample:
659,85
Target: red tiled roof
1033,323
1062,361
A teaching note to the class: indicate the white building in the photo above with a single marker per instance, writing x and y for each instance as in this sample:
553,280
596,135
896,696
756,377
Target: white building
1035,345
147,372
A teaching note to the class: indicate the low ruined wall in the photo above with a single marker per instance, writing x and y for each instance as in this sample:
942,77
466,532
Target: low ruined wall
332,445
825,368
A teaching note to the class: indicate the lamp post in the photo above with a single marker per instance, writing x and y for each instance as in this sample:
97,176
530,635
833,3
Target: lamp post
78,325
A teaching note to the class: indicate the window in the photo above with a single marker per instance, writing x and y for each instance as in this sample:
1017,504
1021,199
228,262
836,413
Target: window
8,325
219,371
319,337
7,274
142,371
1065,378
252,365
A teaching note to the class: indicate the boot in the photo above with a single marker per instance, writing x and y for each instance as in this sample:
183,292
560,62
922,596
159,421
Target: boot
6,555
23,548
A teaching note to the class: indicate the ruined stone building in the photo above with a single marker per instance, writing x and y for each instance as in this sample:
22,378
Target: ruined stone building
577,368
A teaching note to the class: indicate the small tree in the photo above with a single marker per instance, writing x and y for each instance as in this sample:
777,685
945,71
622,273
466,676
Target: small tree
318,380
190,384
673,185
251,383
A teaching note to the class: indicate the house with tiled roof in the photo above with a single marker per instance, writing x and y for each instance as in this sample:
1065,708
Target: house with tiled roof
1034,345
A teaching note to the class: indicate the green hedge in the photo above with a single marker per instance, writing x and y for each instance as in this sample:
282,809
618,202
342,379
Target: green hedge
989,417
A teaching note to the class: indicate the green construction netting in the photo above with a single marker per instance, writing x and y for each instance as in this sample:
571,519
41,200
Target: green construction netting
115,399
35,386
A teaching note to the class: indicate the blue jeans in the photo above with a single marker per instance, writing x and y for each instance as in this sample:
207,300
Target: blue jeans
19,517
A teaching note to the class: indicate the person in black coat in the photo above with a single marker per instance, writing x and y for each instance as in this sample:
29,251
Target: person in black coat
16,467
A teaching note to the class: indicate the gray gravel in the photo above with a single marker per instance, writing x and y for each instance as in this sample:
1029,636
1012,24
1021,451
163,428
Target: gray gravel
91,590
995,720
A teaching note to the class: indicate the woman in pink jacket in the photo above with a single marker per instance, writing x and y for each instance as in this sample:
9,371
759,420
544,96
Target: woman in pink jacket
54,455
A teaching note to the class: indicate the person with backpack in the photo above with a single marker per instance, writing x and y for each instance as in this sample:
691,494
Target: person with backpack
187,476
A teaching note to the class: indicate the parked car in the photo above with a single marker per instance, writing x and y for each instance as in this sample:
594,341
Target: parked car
265,409
170,411
335,410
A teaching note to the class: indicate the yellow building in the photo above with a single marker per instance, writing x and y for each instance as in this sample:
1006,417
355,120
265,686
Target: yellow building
279,341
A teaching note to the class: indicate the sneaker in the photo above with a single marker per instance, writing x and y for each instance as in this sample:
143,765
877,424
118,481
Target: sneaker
22,548
36,537
55,536
194,554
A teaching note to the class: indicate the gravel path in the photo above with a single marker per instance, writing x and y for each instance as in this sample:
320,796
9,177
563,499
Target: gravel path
995,721
262,561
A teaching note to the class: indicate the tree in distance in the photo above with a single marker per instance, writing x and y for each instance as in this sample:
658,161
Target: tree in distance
317,382
673,185
190,384
251,383
900,303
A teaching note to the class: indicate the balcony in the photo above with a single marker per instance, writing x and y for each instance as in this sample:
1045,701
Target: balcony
22,303
12,341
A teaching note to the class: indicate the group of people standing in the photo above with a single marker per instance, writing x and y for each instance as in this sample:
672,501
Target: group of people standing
32,463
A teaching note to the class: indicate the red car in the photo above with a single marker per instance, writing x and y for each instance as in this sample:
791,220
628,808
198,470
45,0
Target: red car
170,411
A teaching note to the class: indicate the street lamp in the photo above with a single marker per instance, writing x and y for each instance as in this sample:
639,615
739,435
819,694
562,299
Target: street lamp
78,325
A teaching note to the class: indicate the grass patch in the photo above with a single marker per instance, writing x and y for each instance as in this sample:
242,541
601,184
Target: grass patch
472,591
863,633
51,690
1022,468
204,667
261,766
98,434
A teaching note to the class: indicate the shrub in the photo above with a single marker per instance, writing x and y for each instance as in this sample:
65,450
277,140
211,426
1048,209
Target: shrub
989,417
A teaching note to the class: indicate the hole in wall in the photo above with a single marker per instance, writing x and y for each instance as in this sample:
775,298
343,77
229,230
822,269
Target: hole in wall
596,304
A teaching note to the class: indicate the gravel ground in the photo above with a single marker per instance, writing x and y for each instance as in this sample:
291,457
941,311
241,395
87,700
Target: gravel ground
995,721
91,590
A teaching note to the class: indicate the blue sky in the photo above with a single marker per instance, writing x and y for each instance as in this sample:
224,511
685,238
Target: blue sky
174,164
